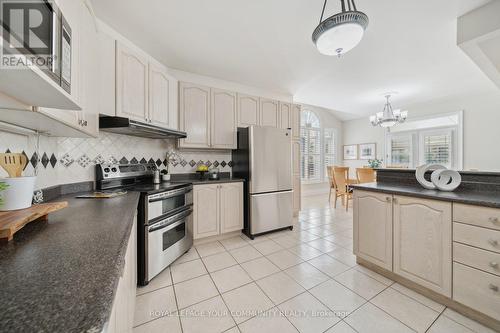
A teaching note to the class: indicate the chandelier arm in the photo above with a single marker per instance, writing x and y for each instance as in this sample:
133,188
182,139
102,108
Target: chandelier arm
342,2
322,12
349,5
354,6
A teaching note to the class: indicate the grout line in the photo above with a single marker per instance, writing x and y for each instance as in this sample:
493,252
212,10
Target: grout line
440,314
176,302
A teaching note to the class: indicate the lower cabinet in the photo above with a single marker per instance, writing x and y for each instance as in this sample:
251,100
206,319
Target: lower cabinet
121,319
218,209
422,242
373,228
296,195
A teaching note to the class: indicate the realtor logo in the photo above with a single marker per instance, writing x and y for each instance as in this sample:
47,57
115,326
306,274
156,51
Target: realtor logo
27,34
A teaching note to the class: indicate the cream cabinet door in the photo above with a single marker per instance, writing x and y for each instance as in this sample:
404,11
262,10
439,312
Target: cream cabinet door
194,115
162,89
231,207
248,110
295,121
205,211
107,73
296,195
422,242
296,157
223,122
373,228
131,83
269,112
285,118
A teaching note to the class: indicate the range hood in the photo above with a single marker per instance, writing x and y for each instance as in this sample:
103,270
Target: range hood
121,125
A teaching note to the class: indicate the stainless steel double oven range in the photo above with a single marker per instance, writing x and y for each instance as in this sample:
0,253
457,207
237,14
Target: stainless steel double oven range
164,218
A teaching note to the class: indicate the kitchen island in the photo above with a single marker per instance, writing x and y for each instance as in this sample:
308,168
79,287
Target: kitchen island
444,245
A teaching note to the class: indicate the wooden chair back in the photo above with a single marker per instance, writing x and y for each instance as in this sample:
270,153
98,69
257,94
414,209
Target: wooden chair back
340,176
365,175
331,179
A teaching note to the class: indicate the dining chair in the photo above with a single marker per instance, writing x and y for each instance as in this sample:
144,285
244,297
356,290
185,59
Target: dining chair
342,186
365,175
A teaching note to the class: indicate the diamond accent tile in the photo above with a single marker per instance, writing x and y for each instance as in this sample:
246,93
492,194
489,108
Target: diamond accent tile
98,159
53,160
223,163
184,163
200,162
208,163
66,160
45,160
134,161
151,161
165,162
216,164
143,161
83,161
34,160
230,164
112,160
192,163
124,160
27,159
158,162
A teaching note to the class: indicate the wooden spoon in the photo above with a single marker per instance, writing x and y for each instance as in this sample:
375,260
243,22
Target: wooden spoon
13,163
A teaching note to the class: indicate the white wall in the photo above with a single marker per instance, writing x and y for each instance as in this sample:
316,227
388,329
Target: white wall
481,128
328,120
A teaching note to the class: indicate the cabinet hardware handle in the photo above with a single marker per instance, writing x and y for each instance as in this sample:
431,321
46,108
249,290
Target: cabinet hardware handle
493,264
493,287
493,242
388,199
493,220
395,200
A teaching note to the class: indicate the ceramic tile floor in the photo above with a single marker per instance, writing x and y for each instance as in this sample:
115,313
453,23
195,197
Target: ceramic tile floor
305,280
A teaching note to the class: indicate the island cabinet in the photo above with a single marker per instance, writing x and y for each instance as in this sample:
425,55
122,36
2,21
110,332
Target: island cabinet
217,209
373,228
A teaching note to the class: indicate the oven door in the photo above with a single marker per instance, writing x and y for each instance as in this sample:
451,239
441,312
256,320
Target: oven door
167,240
169,202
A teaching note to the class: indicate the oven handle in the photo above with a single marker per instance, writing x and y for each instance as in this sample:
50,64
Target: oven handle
170,222
169,194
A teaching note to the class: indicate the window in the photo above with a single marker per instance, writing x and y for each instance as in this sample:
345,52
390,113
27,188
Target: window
317,148
430,140
328,148
310,146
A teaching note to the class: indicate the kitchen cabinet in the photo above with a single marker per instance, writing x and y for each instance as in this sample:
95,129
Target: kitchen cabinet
121,319
296,157
223,119
194,115
296,121
206,211
107,72
248,110
131,83
217,209
269,112
296,194
231,207
162,96
422,242
285,115
373,228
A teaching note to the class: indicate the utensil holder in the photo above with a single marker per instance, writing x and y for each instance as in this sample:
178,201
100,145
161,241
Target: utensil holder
19,193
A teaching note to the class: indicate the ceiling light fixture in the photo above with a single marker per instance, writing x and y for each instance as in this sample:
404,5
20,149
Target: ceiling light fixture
388,117
341,32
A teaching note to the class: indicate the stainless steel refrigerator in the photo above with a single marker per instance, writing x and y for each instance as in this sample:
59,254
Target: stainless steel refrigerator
264,159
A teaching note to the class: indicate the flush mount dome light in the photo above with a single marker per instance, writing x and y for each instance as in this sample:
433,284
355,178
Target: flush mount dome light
341,32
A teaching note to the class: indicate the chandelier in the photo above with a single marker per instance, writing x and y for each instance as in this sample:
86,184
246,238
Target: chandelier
341,32
388,117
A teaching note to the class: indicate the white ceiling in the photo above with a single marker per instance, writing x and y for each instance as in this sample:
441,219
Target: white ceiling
409,47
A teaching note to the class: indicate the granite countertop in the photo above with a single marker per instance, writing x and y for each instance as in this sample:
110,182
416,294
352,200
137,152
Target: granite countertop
480,198
61,275
194,178
220,180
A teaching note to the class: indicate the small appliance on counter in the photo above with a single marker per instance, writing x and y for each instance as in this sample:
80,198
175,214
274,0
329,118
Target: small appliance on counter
164,218
213,174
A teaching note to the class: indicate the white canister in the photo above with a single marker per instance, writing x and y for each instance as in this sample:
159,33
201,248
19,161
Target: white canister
19,193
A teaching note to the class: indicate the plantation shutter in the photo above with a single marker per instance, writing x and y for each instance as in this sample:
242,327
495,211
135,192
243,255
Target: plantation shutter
329,149
400,151
310,154
437,148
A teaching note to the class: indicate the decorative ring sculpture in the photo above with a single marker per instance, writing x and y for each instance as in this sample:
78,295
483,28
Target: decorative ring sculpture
441,178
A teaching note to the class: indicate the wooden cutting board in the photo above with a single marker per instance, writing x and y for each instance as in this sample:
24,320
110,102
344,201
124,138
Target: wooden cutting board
14,220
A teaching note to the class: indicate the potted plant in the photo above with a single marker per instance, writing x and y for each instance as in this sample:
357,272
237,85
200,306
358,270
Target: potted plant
3,187
375,163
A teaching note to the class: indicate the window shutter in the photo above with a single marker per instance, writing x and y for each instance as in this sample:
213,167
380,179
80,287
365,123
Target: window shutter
437,149
400,151
329,149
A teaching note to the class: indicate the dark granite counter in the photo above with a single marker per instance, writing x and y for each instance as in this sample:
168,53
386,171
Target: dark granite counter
480,198
194,178
61,275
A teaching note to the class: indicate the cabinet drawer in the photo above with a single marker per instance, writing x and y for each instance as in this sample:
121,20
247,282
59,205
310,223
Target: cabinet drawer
481,259
483,238
477,289
481,216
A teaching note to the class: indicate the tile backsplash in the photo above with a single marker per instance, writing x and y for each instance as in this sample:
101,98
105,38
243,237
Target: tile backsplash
68,160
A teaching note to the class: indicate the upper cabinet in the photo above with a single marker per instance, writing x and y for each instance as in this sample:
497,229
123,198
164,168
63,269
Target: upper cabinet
285,115
248,110
223,122
208,115
162,96
131,83
269,112
296,121
194,115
